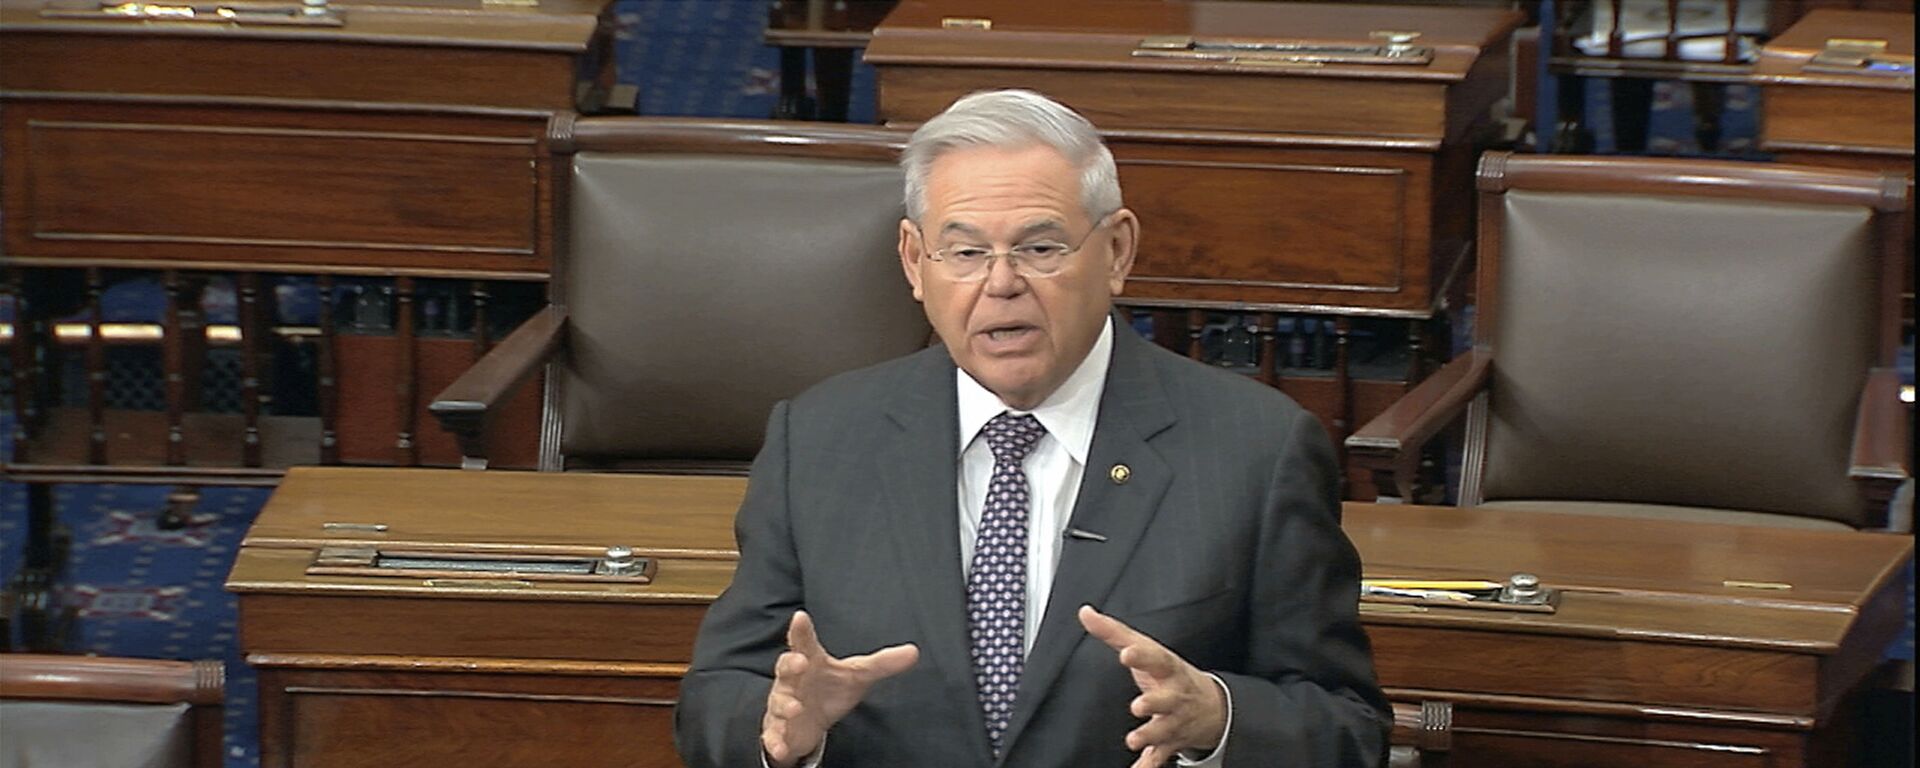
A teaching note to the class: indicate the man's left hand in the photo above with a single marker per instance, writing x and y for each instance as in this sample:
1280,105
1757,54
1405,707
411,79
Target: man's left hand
1184,707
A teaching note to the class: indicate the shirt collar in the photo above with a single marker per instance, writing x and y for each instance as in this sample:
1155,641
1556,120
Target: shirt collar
1068,414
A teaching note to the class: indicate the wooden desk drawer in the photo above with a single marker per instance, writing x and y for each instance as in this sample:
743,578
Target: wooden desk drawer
171,185
346,716
1237,222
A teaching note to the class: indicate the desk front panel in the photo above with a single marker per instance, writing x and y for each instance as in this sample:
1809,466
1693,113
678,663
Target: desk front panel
378,714
314,190
1288,226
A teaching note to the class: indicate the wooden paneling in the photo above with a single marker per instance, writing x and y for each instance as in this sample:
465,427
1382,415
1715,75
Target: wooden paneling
476,620
196,185
302,70
1509,661
346,716
912,94
1273,226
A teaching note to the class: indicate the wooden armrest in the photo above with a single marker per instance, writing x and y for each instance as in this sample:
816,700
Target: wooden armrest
1880,428
89,678
1407,425
1880,448
463,406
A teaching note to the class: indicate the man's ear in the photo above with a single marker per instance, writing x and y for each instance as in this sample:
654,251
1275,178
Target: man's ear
1124,242
910,258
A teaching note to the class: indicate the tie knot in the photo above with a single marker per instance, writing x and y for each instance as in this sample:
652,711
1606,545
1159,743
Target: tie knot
1012,437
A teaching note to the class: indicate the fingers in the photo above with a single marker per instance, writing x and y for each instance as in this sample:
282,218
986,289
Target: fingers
1155,733
800,635
1152,757
1162,701
886,662
1137,651
1108,629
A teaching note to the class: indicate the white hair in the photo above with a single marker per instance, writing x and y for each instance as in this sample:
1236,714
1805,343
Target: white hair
1012,119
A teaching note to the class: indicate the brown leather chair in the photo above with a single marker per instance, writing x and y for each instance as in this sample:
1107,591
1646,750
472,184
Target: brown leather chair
1677,338
90,711
706,269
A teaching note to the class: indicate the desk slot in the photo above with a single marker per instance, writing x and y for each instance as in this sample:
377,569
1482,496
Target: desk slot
617,566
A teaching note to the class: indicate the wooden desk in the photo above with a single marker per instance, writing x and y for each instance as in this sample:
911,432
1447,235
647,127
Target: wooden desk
396,142
380,672
1339,191
1843,120
1651,660
408,139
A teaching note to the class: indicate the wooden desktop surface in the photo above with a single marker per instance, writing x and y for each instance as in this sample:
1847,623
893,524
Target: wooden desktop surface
1656,656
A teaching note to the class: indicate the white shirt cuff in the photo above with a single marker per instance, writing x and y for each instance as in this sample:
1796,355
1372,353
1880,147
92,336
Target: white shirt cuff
1218,756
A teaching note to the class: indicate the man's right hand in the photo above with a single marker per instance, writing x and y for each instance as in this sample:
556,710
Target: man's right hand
812,690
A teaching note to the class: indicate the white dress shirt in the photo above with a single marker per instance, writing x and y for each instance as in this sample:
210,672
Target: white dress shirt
1053,467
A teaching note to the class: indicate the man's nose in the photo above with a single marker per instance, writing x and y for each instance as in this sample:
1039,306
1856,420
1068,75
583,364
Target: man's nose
1002,279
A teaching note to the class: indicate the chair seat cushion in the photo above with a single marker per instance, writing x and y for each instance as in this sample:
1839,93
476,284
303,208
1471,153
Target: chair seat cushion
1665,512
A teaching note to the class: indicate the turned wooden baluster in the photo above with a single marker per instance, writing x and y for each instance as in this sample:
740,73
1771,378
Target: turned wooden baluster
481,340
21,347
1613,32
173,363
1416,351
1196,324
96,369
329,390
1672,51
1265,325
250,327
1732,53
407,450
1342,379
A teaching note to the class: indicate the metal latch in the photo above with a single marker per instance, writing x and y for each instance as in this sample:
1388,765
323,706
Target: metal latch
1394,47
305,13
617,565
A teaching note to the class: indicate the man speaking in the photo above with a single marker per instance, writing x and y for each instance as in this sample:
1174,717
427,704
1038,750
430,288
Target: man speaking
1046,541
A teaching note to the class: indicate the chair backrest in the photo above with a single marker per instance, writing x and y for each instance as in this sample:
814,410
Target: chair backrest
712,268
1681,332
82,710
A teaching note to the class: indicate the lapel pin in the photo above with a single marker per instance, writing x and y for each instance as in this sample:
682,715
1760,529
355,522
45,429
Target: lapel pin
1077,533
1120,474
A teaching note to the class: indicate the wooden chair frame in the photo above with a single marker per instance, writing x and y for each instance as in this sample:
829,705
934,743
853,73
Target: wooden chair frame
1391,446
465,406
200,684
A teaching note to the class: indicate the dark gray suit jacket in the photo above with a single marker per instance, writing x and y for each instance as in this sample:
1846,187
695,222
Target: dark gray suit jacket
1224,545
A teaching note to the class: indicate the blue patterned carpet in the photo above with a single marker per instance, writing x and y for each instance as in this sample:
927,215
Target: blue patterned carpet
150,593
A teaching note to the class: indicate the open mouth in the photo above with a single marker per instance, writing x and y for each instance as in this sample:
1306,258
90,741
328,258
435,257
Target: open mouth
1007,332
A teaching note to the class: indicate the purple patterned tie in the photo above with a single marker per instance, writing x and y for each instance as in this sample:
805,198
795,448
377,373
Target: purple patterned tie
997,584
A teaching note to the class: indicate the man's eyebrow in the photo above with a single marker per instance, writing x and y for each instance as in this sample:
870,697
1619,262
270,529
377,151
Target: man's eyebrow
1051,226
953,227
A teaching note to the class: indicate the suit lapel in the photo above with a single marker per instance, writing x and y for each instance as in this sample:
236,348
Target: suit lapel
918,462
1133,408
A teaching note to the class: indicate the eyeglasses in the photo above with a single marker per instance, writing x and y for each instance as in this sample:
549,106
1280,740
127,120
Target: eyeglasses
972,263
